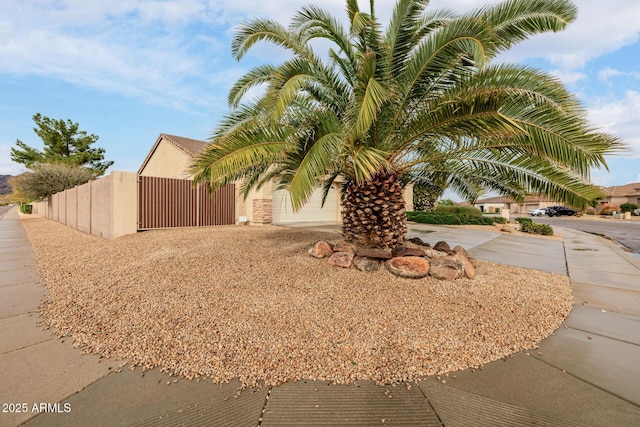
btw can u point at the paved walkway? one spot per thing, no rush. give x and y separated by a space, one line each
587 373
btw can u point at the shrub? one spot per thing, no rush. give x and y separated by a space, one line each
50 178
524 220
628 207
608 209
464 210
451 218
536 228
26 209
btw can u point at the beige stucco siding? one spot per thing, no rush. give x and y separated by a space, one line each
167 161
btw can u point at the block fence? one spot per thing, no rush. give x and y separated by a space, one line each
105 207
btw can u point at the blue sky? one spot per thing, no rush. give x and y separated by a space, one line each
128 70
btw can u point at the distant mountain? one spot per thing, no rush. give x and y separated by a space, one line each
5 188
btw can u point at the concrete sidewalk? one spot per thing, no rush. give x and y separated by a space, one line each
587 373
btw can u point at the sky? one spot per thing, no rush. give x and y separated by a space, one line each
129 70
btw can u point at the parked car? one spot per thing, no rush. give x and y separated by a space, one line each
560 211
537 212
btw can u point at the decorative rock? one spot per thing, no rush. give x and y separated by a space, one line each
432 253
341 259
366 264
446 268
506 229
467 268
410 267
345 246
405 251
321 249
459 250
374 253
442 246
418 241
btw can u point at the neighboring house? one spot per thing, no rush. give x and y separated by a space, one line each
171 157
496 204
621 194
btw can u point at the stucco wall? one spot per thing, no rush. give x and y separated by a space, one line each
167 161
84 207
106 207
125 203
71 207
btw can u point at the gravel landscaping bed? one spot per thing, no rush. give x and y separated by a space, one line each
249 303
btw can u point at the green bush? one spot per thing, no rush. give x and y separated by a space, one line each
535 228
524 220
451 218
628 207
463 210
26 209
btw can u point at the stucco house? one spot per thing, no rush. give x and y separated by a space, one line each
170 157
495 204
620 194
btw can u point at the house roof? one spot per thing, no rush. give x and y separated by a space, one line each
191 147
498 199
632 189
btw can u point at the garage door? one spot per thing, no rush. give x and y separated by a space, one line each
312 211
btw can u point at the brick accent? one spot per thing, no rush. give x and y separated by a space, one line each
262 211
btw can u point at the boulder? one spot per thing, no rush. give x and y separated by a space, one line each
366 264
418 241
374 253
321 249
345 246
432 253
401 251
459 250
442 246
341 259
446 268
467 268
410 267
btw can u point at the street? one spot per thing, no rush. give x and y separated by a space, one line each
626 233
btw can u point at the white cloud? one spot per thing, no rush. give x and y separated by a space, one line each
138 48
608 73
620 117
164 50
7 167
593 34
569 76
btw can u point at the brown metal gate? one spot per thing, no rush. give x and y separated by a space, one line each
168 202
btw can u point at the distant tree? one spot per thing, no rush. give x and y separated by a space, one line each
423 198
50 178
63 143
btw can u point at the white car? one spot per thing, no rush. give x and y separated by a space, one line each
537 212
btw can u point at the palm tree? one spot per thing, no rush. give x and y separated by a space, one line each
417 101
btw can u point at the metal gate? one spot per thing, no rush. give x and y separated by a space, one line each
168 202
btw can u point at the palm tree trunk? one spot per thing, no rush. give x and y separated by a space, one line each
373 213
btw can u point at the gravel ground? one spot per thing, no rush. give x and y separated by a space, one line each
249 303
